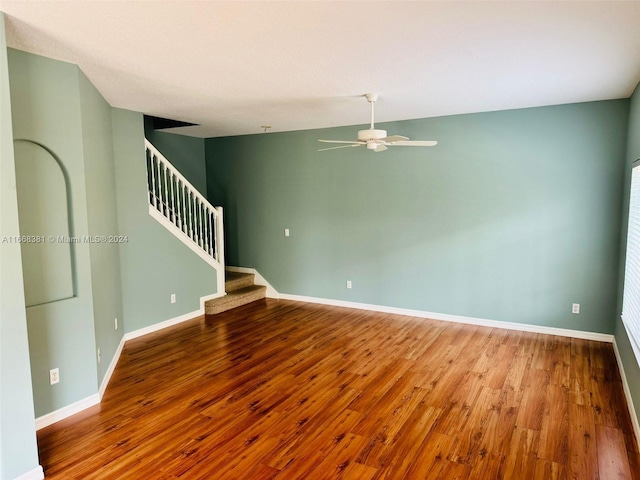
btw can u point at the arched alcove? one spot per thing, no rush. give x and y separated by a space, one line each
46 228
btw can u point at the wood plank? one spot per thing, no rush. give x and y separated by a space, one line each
532 407
547 470
634 464
431 459
358 471
381 428
406 445
613 461
583 459
554 435
521 458
319 444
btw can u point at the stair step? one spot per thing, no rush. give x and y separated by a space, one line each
235 298
237 280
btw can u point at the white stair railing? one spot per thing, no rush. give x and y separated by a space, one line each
176 203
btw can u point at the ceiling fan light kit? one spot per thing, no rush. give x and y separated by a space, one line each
375 139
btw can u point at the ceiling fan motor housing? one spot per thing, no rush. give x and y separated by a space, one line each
371 134
372 137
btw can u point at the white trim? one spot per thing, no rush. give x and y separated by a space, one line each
179 234
219 287
627 393
34 474
161 325
632 339
219 241
258 280
562 332
64 412
111 369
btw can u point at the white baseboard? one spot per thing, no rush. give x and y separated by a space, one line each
65 412
258 280
627 393
110 370
159 326
34 474
562 332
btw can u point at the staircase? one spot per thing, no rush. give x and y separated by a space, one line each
180 208
177 205
240 291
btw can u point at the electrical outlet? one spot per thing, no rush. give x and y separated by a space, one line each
173 298
286 232
99 355
115 321
575 308
348 283
54 376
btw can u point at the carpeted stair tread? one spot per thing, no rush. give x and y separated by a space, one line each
235 298
237 280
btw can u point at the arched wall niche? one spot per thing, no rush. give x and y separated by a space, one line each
46 224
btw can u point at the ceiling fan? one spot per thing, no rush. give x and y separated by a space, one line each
377 140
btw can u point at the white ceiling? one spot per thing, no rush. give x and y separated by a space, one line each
234 66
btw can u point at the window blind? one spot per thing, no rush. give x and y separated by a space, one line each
631 293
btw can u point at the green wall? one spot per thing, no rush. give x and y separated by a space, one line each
97 142
18 449
631 367
514 216
154 264
47 110
185 153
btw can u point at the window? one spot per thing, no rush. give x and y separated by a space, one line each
631 294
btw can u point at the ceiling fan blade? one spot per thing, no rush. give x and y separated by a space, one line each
415 143
380 148
340 141
394 138
341 146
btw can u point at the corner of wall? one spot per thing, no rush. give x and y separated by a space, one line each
18 448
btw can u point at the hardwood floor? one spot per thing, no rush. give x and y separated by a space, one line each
288 390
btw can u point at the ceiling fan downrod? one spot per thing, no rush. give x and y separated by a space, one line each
371 98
